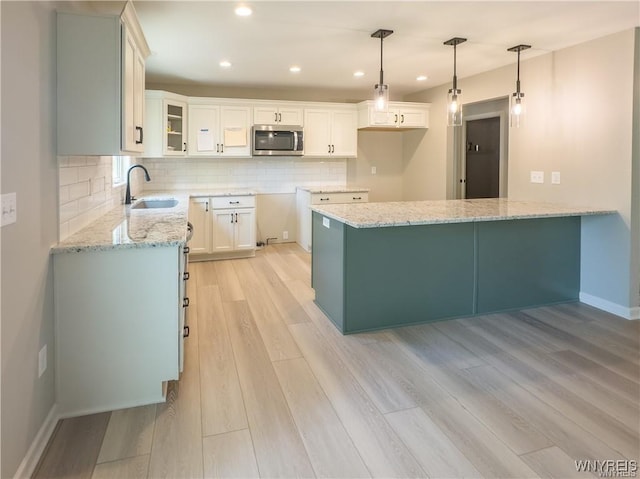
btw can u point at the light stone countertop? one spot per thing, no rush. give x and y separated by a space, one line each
333 189
124 227
408 213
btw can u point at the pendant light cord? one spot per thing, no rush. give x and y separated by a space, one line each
381 72
455 76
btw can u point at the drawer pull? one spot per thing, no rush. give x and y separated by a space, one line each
185 332
234 202
324 199
357 198
185 276
185 302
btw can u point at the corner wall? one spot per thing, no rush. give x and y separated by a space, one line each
576 124
29 168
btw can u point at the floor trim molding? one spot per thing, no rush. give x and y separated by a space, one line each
609 307
30 461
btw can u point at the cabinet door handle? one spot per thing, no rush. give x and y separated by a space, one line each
333 148
222 148
234 202
401 118
396 120
184 148
185 250
217 147
141 136
357 198
236 217
280 117
185 302
206 206
185 276
185 332
329 150
275 114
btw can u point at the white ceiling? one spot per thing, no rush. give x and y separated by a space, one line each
330 40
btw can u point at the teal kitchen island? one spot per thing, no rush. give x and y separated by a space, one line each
381 265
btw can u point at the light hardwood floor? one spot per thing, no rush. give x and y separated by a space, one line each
272 389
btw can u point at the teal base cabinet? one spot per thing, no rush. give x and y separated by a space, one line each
375 278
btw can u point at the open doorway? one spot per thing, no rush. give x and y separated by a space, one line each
481 153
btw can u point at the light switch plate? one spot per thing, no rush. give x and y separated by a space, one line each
537 177
373 170
555 177
9 209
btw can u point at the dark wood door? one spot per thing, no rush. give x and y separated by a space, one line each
483 158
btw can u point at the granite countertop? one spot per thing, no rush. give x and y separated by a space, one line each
407 213
333 189
205 193
123 227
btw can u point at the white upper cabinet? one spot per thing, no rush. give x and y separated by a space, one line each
166 124
330 132
100 84
277 114
400 115
219 129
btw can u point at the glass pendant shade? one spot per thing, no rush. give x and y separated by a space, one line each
381 97
517 110
454 107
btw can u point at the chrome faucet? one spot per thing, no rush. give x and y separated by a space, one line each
127 196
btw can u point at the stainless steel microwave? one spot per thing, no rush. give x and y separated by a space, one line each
277 140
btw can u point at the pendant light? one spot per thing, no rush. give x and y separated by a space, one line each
454 97
381 91
517 110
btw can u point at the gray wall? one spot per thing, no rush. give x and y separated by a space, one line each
28 168
580 121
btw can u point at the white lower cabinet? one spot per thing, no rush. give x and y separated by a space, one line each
119 326
224 227
306 198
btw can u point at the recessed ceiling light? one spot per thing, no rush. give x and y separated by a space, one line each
243 11
358 74
225 63
295 69
422 78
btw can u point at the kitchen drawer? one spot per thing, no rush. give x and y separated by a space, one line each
335 198
227 202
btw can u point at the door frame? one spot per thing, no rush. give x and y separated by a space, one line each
460 158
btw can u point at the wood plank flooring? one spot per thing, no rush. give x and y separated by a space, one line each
272 389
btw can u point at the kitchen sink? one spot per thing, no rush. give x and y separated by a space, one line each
146 204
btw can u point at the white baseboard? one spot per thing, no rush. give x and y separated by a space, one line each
28 465
609 307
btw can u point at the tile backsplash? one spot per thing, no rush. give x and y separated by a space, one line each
265 175
86 191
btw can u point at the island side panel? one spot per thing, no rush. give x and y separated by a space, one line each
408 274
524 263
327 267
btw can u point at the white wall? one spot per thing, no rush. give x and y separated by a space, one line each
579 122
29 168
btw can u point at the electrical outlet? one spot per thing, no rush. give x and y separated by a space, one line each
555 177
285 235
9 209
373 170
42 360
537 177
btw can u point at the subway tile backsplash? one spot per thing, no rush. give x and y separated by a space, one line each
269 175
85 191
